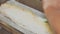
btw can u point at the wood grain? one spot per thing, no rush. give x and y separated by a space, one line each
37 4
8 28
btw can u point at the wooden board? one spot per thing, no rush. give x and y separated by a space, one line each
6 29
37 4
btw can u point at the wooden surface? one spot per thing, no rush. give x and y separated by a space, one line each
2 1
37 4
6 29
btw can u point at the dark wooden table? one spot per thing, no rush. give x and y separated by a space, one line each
6 29
37 4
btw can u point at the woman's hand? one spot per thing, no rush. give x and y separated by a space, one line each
52 11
